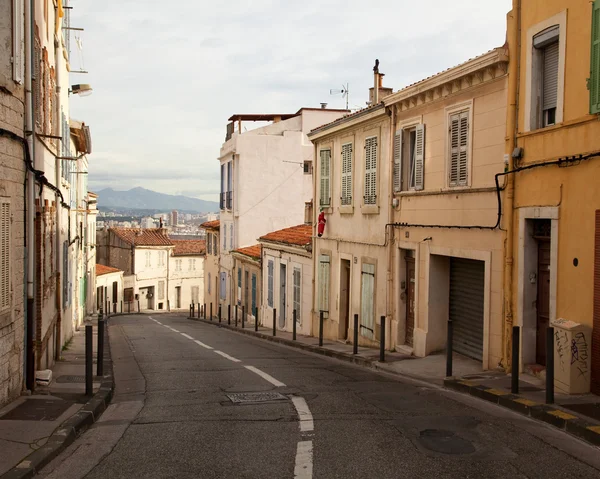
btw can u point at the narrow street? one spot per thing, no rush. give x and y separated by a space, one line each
173 416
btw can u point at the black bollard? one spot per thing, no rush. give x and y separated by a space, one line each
204 311
89 360
514 384
382 341
128 306
550 365
321 317
219 314
139 310
243 316
121 306
190 311
294 325
236 315
449 349
274 322
211 315
100 352
355 345
199 308
100 313
229 314
193 310
256 319
115 308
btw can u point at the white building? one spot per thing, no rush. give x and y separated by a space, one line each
147 223
186 273
109 289
266 179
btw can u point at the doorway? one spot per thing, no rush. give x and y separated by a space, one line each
410 297
282 295
178 297
344 298
246 292
542 303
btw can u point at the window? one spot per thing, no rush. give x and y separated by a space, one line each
177 265
409 158
324 269
547 52
215 245
224 237
18 42
161 289
222 196
367 317
161 258
231 236
209 243
594 83
307 167
5 248
325 178
223 285
297 300
147 253
209 282
253 293
459 148
128 295
239 284
371 171
270 283
229 198
347 174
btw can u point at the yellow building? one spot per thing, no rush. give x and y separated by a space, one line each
554 190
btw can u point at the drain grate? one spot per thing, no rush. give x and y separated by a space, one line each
70 378
241 398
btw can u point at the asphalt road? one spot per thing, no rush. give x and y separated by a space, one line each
173 417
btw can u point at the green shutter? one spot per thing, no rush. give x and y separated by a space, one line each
595 61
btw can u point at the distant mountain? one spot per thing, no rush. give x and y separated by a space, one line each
143 199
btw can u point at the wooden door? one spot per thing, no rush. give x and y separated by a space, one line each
410 299
543 298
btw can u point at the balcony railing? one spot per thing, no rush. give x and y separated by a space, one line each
229 199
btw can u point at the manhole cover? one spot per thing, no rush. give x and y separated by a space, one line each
255 397
70 379
38 410
445 442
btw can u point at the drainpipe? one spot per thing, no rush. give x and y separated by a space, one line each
30 202
391 111
513 33
315 252
57 170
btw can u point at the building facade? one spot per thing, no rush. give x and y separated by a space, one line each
186 273
211 266
247 267
109 286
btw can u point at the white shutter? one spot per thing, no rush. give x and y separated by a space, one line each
297 301
367 307
550 76
270 283
325 177
419 157
371 171
324 283
347 174
398 161
18 57
4 256
459 144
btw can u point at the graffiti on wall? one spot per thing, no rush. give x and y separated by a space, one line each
580 354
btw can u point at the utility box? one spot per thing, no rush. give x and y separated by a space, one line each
572 356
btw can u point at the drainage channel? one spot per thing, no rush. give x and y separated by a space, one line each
249 398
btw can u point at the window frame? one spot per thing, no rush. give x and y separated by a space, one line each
270 282
297 293
594 80
322 178
451 111
348 174
373 198
324 289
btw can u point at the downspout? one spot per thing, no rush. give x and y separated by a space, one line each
391 111
314 249
30 201
513 33
58 175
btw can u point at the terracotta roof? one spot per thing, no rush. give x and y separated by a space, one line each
262 116
101 269
189 247
143 237
360 112
254 251
211 225
296 235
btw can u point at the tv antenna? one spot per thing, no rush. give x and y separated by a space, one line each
344 92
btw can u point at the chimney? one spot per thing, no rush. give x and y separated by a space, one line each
308 213
378 92
323 106
160 222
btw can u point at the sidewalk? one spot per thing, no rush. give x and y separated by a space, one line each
36 428
577 415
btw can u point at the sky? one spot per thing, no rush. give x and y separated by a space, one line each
167 75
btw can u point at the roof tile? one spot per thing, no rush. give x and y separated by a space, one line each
254 251
102 269
211 225
189 247
296 235
143 237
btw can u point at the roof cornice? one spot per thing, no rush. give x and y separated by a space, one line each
360 116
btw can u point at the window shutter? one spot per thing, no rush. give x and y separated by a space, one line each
253 293
398 161
5 256
550 76
347 174
420 157
368 292
459 143
270 283
324 283
209 243
325 177
371 171
18 41
297 279
595 62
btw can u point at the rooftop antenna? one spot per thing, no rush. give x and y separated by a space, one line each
344 92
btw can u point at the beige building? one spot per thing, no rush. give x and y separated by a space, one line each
211 267
186 274
447 248
247 267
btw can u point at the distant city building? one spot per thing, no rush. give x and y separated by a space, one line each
148 222
174 218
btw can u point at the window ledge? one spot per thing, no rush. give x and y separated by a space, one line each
346 210
327 209
369 209
447 191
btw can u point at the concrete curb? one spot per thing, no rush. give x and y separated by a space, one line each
72 428
550 414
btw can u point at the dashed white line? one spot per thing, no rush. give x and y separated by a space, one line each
227 356
187 336
306 419
174 330
304 460
266 376
200 343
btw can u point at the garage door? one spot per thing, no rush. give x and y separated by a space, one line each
467 281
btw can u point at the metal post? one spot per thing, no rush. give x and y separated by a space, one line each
382 340
229 314
355 345
321 316
139 310
204 310
193 310
256 319
100 313
274 322
243 316
121 306
449 349
514 386
190 311
128 306
100 352
294 325
199 308
115 307
211 315
236 315
89 360
550 365
219 314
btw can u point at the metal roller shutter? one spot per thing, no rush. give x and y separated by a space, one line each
596 324
467 281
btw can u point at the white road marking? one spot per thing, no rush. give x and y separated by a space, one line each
187 336
264 375
306 419
227 356
174 330
200 343
158 322
304 460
